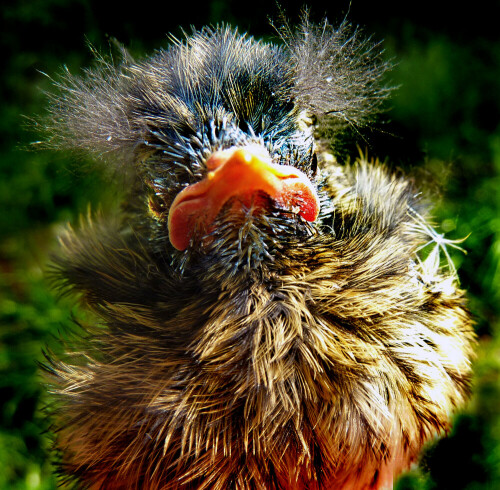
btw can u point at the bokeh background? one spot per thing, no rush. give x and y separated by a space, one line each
443 125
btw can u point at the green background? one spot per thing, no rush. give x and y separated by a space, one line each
443 126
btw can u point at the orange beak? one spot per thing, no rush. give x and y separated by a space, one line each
240 172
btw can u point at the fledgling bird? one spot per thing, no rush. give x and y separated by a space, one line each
266 317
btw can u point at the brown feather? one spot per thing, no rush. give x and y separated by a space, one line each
273 353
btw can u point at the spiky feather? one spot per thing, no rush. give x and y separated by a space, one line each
272 353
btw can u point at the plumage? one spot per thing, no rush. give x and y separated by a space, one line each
268 350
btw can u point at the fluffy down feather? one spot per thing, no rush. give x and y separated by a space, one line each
272 352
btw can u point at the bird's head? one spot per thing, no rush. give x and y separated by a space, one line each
225 132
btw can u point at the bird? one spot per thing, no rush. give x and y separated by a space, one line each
263 315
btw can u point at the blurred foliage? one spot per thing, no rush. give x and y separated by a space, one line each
444 127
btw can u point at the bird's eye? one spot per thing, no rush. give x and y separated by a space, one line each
314 165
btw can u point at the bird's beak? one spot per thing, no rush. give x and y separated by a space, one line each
240 172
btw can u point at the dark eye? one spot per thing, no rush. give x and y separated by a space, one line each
314 165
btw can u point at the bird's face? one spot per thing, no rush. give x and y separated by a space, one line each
235 174
245 181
